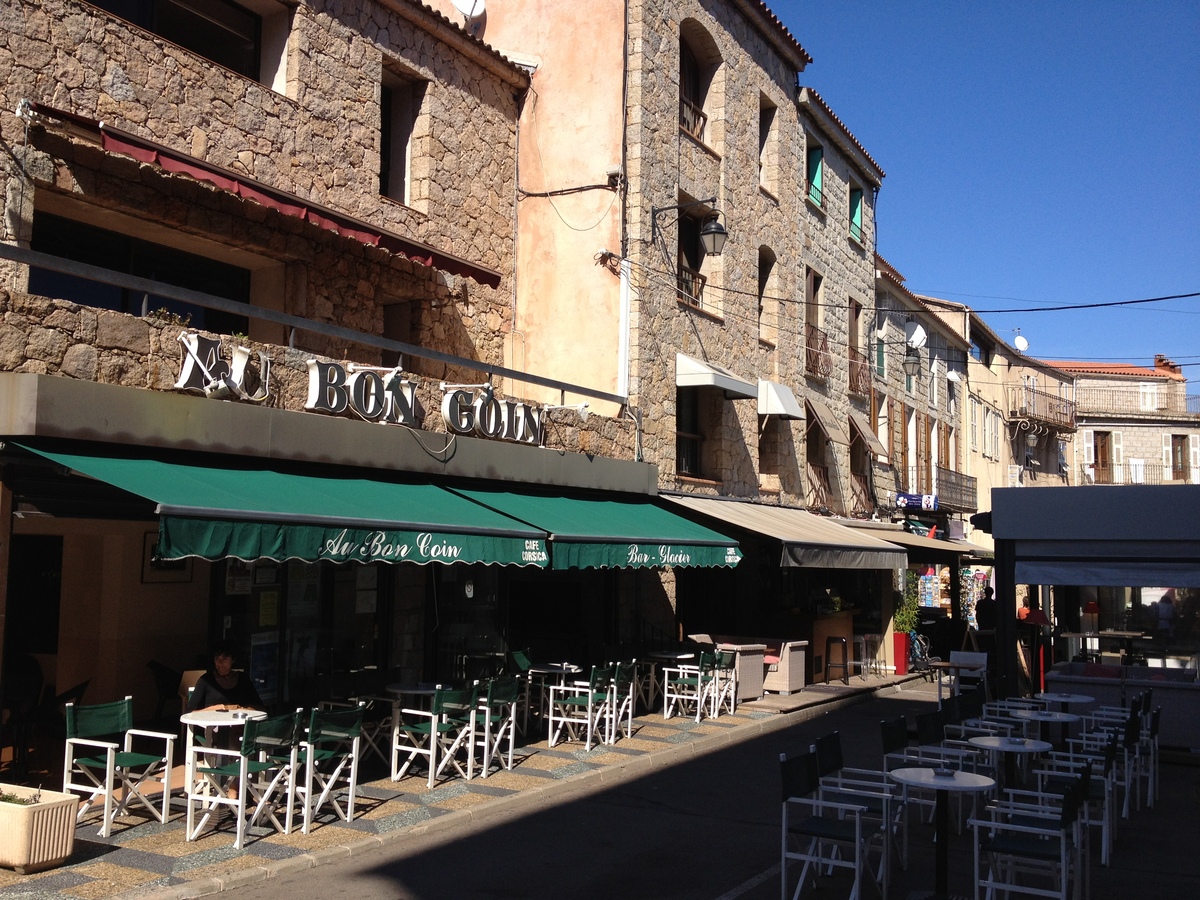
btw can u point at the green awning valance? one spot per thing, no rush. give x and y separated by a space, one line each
604 533
255 513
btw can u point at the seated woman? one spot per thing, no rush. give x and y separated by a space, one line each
223 688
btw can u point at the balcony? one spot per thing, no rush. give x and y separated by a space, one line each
818 495
691 286
692 119
814 194
817 360
1126 400
860 373
918 480
1138 471
1029 404
956 491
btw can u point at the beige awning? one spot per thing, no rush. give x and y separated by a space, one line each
859 421
808 541
918 547
775 399
831 425
694 373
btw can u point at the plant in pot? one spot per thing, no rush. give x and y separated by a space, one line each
904 622
37 827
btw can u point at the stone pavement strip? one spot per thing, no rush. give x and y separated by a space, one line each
144 859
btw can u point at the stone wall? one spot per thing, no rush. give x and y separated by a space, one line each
667 166
57 337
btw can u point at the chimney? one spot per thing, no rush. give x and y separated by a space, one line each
1166 366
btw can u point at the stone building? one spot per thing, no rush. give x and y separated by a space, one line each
1136 425
259 295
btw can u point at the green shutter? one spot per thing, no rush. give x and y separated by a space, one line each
815 167
856 196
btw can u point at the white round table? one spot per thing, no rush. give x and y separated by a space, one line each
1010 747
1045 718
556 673
212 720
1064 699
943 785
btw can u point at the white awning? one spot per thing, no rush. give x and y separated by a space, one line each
775 399
864 428
808 541
694 373
831 425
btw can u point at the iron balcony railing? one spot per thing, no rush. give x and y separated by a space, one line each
691 286
1136 400
817 360
917 480
956 491
817 496
1033 405
1136 471
692 118
860 373
862 502
815 195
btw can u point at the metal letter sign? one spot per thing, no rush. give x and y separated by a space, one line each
927 502
203 371
377 395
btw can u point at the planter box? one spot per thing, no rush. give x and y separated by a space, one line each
40 836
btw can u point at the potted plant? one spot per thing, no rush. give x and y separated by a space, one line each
904 622
37 827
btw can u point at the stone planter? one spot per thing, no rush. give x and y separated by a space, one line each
38 836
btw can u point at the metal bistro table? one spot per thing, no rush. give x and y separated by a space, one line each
1044 718
954 669
1010 748
942 782
211 720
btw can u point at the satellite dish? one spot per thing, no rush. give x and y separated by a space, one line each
1021 344
471 9
914 335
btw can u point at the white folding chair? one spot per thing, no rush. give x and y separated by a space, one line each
581 707
109 767
498 712
329 755
438 734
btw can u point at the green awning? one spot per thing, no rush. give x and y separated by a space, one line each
605 533
254 513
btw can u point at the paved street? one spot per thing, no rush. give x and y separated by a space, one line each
709 827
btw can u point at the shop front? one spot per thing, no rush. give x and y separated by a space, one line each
333 554
804 577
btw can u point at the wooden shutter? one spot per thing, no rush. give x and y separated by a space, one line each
1117 455
1194 457
1168 462
1089 447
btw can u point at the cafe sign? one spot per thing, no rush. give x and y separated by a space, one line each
373 393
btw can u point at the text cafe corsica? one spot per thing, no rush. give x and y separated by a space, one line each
375 394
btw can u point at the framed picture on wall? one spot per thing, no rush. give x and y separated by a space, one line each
158 571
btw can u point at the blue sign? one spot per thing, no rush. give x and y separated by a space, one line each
917 501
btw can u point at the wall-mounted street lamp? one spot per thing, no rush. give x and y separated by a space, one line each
712 232
912 363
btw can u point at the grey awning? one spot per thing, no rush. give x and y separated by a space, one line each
775 399
860 423
829 422
694 373
808 541
921 549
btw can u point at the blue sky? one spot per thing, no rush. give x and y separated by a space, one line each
1037 154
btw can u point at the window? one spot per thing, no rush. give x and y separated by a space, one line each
880 357
934 381
70 239
974 425
818 360
856 215
248 38
814 171
688 439
768 306
768 145
1176 457
400 102
812 296
981 352
693 86
691 257
1147 397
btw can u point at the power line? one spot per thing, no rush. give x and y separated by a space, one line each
1102 305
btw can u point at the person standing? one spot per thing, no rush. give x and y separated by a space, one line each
1166 617
985 610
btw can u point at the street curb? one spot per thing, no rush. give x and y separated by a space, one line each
550 794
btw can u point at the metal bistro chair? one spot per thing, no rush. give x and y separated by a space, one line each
687 687
625 696
724 686
109 765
